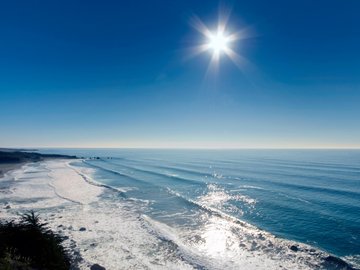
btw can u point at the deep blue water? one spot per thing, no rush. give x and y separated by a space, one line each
310 196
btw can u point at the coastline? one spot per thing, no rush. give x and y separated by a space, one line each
110 232
51 188
97 232
13 159
8 167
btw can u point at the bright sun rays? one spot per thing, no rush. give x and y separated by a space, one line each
220 41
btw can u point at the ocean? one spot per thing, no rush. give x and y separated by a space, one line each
223 209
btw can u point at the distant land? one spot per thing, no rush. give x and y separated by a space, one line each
11 159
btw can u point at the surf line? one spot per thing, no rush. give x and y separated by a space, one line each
56 192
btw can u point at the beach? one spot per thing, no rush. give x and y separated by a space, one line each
96 231
12 159
107 225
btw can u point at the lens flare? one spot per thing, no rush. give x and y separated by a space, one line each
220 41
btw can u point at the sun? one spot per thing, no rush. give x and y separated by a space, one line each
218 42
221 41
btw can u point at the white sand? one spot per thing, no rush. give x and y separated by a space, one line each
70 184
47 184
115 236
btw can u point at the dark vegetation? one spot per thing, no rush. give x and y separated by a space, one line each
28 244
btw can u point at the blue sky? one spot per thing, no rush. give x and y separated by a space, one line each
117 74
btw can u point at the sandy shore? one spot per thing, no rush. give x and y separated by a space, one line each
103 226
50 188
13 159
51 183
106 232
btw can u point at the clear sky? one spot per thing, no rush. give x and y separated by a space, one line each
117 74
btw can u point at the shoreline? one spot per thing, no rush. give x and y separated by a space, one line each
13 159
95 225
52 189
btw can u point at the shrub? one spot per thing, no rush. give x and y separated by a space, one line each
30 244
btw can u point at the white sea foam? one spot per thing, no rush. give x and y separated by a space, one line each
220 245
31 189
118 236
115 235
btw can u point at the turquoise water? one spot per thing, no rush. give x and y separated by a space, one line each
309 196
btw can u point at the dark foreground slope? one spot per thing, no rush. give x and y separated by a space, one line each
28 244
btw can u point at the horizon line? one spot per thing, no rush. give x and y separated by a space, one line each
183 148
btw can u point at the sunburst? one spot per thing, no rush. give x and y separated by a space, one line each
220 41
